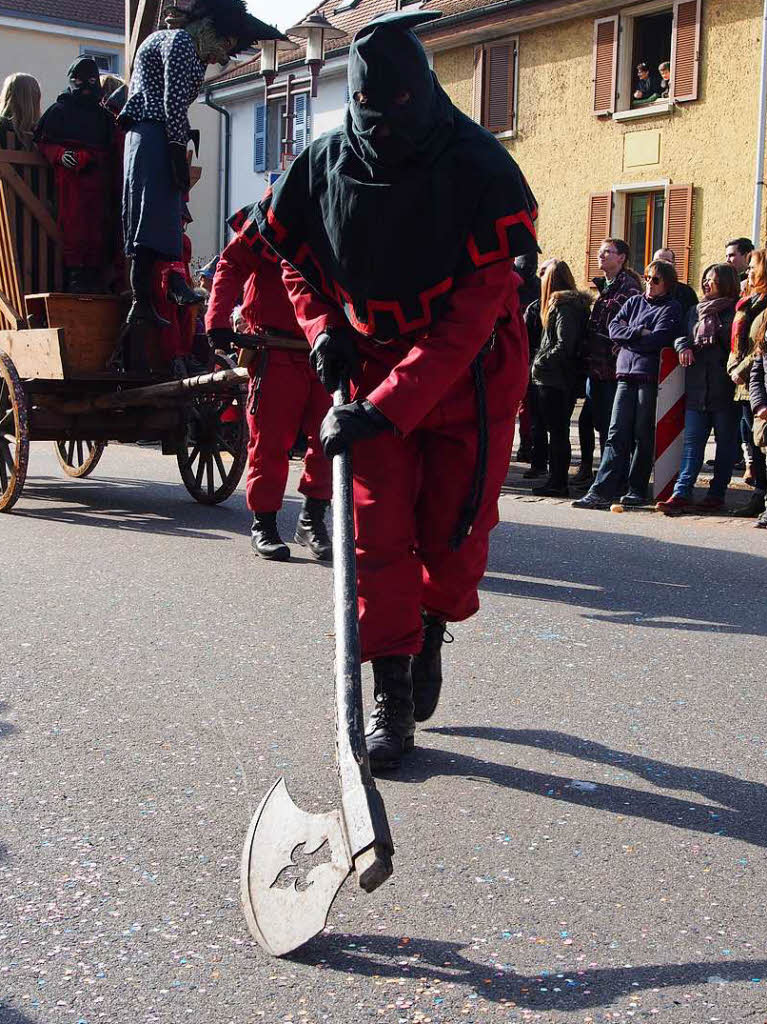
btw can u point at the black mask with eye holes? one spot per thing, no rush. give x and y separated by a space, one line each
393 98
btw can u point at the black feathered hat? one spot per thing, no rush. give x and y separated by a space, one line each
230 18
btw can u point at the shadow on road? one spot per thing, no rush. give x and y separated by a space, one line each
381 956
745 817
10 1015
629 580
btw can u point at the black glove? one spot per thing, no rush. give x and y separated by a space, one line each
333 356
344 425
179 167
223 338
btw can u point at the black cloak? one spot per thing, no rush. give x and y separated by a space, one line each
386 213
77 115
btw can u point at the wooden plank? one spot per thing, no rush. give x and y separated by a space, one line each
25 256
9 312
9 277
22 156
30 199
35 353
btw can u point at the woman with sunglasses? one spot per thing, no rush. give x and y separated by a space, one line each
644 325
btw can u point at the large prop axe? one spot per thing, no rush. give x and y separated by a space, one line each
282 912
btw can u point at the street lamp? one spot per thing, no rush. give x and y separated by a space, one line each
270 60
315 29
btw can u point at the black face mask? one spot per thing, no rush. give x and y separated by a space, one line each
85 82
392 93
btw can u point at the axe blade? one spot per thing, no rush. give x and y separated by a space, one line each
280 915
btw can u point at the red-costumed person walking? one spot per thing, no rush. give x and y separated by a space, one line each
285 395
399 232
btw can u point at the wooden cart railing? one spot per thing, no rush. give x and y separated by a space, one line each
30 241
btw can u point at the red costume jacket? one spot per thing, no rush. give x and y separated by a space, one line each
87 205
418 371
254 272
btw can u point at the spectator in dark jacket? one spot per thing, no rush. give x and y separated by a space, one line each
758 393
704 351
565 313
646 324
617 285
526 266
686 296
647 87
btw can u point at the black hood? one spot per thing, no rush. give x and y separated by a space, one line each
397 111
77 115
385 227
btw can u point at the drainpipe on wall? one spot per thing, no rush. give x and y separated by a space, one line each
759 177
227 160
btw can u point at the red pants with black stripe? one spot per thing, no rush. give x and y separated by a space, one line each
409 494
290 399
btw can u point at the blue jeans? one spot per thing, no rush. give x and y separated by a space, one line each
630 441
602 396
697 427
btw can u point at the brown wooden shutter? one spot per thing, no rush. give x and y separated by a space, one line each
600 215
677 228
605 64
685 50
499 87
478 98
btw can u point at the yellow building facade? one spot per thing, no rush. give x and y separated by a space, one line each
635 162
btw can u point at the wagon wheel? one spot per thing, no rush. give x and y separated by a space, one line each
79 458
215 450
14 435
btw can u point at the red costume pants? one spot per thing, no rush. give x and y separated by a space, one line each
409 494
290 398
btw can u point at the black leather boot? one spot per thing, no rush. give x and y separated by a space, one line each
391 727
265 538
180 293
311 531
427 667
142 309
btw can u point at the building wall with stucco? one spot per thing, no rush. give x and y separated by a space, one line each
568 153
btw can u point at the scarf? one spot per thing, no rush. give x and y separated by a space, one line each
709 321
384 214
747 310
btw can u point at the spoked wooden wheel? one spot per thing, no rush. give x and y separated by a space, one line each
14 435
79 458
215 450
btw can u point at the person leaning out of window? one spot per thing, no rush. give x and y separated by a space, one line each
646 323
758 395
704 351
555 371
748 326
664 70
646 88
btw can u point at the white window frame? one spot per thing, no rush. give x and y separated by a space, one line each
114 57
618 217
625 76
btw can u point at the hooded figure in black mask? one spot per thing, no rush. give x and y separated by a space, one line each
398 233
76 135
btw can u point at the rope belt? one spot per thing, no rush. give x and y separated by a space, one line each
474 501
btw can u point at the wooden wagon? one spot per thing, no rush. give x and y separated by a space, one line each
55 349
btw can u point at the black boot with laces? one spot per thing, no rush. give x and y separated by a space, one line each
427 667
311 531
265 538
391 728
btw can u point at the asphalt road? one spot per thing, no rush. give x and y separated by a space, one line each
580 835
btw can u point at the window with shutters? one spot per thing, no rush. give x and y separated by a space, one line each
496 78
646 58
658 216
260 137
